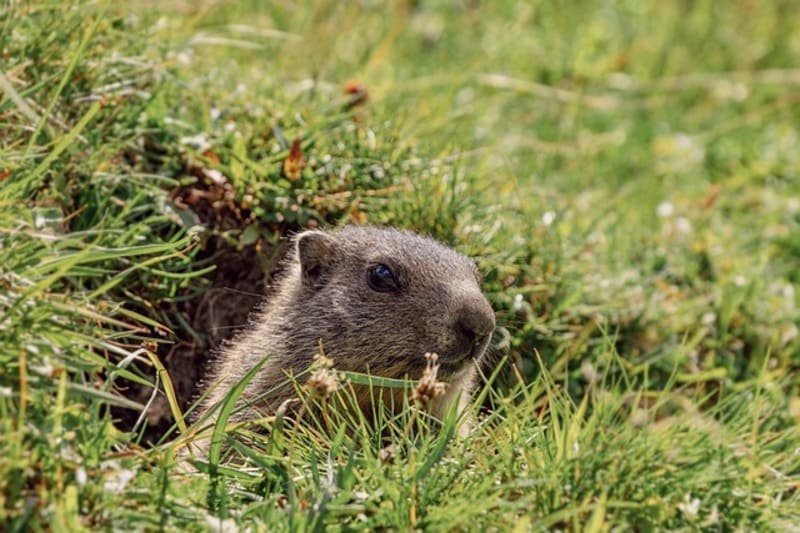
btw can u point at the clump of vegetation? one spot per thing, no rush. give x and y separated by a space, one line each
626 175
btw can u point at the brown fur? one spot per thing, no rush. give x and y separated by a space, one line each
323 297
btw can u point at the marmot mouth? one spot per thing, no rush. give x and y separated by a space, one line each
449 366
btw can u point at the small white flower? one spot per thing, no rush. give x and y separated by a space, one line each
119 480
44 369
199 142
665 209
713 516
689 506
214 175
590 374
683 225
789 334
517 305
32 348
217 525
548 218
740 281
80 476
708 319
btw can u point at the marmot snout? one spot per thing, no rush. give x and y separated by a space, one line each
376 300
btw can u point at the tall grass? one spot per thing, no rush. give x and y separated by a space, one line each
626 175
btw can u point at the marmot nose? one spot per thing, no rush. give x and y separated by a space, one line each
475 321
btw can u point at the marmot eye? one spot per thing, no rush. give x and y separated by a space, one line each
381 278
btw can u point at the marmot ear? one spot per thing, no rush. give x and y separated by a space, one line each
315 251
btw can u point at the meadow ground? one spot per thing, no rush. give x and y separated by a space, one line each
626 173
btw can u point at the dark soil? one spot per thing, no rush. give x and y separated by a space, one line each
213 309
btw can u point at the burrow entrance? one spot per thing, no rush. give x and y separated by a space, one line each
212 310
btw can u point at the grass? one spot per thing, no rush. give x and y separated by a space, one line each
626 174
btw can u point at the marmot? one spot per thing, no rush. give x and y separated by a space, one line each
376 300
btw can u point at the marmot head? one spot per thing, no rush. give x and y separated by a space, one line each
380 298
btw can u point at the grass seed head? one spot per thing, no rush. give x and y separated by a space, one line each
387 454
429 387
324 379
